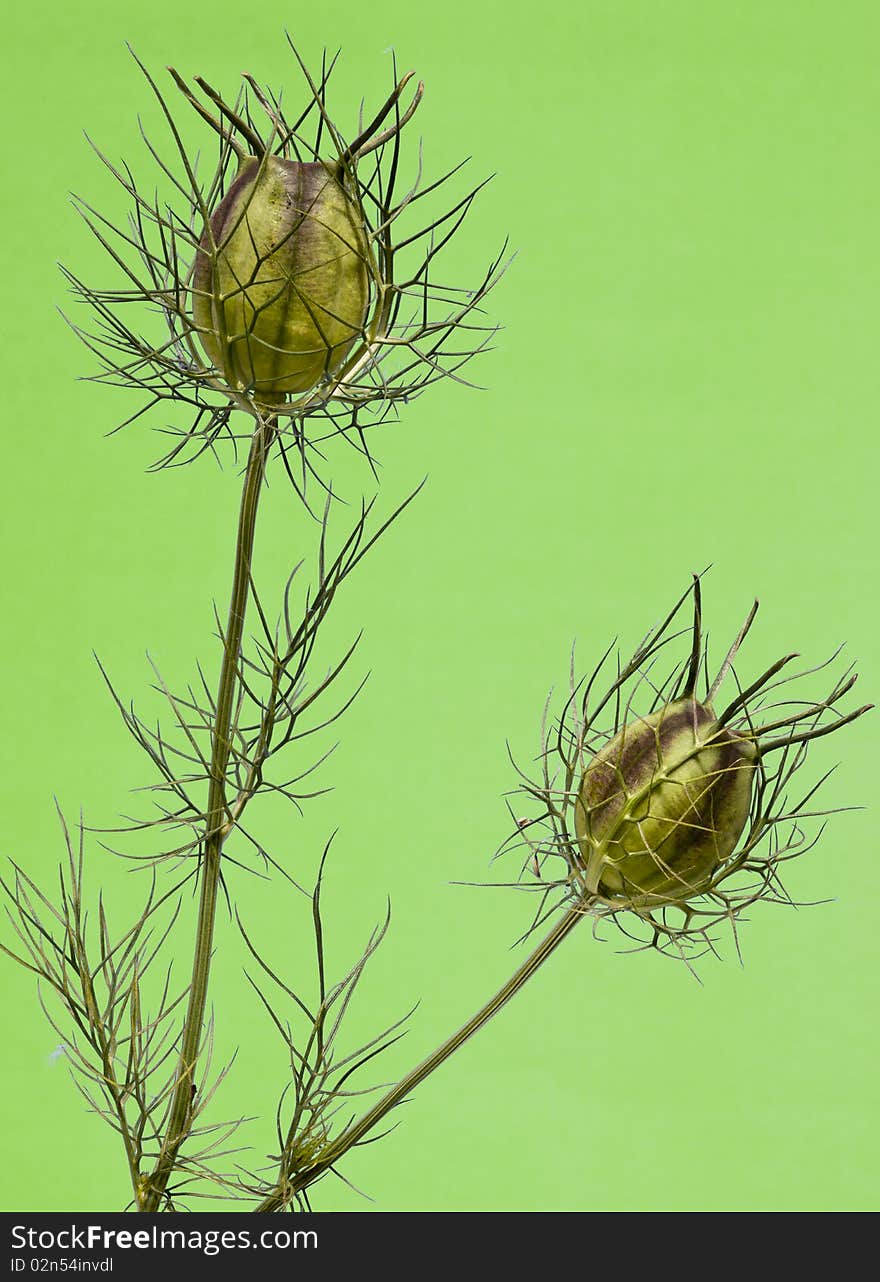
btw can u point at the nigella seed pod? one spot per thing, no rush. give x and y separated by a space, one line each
281 285
677 816
298 282
662 806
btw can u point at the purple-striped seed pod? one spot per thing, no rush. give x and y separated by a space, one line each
281 286
663 805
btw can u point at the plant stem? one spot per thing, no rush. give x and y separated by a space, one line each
184 1089
287 1190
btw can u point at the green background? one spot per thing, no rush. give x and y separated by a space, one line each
687 374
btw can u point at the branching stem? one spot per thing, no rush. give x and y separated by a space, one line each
215 834
287 1190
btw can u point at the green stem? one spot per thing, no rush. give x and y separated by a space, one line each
184 1089
287 1189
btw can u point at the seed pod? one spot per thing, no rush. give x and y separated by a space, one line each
675 822
662 806
282 282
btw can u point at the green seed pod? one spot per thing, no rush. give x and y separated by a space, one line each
662 806
676 818
282 282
